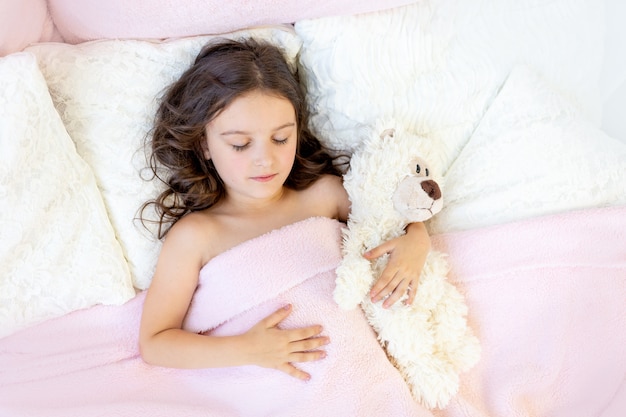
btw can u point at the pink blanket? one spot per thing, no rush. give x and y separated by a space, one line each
547 298
86 364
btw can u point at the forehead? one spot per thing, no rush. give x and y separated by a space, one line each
255 111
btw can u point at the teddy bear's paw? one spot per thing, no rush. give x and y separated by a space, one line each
345 299
353 282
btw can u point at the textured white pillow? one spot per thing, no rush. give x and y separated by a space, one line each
58 251
106 93
436 65
532 154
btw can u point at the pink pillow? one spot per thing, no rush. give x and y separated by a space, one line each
79 21
23 22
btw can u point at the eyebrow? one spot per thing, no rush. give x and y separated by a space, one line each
241 132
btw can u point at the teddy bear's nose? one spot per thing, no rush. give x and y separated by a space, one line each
431 188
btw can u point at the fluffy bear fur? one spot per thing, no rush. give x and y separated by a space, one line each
429 342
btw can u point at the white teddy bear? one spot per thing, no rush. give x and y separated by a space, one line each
390 184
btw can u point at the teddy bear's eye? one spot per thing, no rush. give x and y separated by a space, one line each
418 170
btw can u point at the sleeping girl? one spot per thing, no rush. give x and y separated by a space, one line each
251 220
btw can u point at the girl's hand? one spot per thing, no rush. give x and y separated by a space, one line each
279 348
407 255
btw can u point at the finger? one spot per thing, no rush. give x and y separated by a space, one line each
385 284
315 355
308 344
294 372
277 316
304 333
396 294
411 291
379 250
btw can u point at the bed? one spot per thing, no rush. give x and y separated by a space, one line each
524 101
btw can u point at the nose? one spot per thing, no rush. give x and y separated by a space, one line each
263 155
431 188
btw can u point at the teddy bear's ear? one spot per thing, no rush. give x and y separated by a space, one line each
387 133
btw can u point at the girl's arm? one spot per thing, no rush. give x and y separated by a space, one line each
407 255
163 342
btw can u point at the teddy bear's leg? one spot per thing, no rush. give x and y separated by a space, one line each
454 337
408 337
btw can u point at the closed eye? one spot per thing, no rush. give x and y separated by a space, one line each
240 148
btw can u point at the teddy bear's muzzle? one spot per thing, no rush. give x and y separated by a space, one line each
431 188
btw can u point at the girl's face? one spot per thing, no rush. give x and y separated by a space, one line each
252 143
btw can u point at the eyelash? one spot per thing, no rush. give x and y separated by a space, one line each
240 148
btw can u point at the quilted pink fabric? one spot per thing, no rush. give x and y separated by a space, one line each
23 22
94 19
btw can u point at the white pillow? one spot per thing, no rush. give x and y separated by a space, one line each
436 65
106 93
532 154
58 251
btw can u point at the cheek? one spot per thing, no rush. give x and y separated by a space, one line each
289 154
224 163
233 165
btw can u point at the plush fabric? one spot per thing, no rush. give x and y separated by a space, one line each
532 154
436 66
107 93
87 364
58 251
391 184
546 297
92 19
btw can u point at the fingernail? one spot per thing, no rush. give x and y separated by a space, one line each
287 307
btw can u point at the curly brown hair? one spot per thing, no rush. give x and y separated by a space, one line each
223 71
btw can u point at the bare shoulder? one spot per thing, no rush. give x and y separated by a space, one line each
191 236
328 183
329 194
190 226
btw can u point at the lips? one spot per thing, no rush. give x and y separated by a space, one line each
264 178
